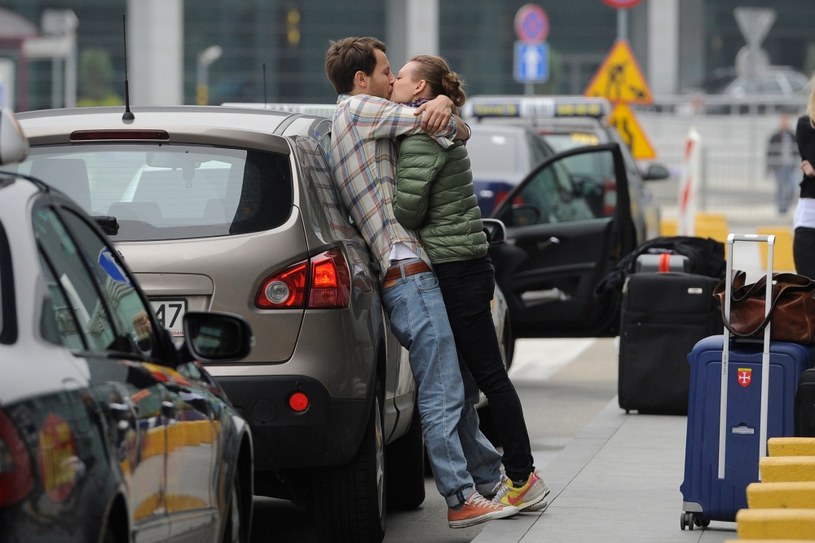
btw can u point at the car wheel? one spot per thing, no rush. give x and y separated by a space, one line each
349 500
405 468
232 526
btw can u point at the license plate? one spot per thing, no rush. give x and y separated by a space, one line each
170 314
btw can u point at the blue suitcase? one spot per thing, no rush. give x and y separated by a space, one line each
733 410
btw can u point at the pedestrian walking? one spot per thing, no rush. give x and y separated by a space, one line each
435 196
363 156
803 222
783 163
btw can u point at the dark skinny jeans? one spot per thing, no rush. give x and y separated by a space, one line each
467 287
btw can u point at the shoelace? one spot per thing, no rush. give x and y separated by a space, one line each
481 501
504 488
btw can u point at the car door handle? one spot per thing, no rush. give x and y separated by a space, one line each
551 241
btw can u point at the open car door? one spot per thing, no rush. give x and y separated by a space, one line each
564 232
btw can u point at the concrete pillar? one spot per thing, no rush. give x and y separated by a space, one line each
155 51
663 47
412 28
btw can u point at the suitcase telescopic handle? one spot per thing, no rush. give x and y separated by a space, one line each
765 355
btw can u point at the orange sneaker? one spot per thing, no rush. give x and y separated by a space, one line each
478 509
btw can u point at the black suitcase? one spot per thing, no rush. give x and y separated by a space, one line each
663 316
805 405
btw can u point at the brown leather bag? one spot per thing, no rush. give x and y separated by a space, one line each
792 309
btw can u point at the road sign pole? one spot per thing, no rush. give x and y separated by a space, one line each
622 24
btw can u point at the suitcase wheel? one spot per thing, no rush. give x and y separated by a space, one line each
689 520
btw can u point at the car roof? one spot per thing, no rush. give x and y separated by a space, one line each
189 123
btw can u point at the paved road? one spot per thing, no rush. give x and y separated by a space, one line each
563 384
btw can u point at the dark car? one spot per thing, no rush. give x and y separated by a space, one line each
109 432
501 155
567 122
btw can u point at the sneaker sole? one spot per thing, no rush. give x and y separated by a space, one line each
540 504
466 523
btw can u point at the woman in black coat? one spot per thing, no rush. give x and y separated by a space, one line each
803 246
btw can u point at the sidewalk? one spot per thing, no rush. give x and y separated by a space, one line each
616 482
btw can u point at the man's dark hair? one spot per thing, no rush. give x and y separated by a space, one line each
347 56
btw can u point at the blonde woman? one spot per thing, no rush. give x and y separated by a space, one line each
803 222
435 196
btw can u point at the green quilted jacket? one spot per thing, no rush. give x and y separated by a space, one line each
435 196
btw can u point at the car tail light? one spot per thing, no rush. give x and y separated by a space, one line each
330 280
16 479
323 281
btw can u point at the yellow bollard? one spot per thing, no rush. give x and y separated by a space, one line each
782 253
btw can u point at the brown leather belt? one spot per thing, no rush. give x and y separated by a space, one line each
398 271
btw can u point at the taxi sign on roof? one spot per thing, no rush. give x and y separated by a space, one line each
538 107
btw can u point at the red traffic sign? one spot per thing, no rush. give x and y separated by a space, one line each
621 3
531 24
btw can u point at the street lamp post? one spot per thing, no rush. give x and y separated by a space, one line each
205 58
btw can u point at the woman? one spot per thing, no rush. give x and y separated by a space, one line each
803 222
435 196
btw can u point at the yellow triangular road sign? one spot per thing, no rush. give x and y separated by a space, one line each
619 78
631 132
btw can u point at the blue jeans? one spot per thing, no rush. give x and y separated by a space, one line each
461 457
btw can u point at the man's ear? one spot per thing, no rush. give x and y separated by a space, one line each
360 79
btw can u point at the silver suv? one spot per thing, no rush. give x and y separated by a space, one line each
234 210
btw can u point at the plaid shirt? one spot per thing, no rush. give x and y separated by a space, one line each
363 156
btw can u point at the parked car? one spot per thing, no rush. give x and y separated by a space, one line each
108 431
500 156
566 122
227 209
774 88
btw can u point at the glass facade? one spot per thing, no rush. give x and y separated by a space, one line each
274 49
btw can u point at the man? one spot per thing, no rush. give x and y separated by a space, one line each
363 155
783 162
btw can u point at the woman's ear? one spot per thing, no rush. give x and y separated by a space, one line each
420 87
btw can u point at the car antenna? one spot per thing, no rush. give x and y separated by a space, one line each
127 115
265 98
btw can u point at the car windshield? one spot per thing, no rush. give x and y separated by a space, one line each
161 192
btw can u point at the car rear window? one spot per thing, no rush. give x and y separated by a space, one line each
164 192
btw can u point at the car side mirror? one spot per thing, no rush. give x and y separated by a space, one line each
495 230
656 172
212 337
13 143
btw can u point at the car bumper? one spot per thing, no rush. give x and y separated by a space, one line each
326 433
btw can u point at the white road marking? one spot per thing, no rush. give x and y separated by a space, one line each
539 359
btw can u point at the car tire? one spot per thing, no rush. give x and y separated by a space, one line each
349 500
233 529
405 469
